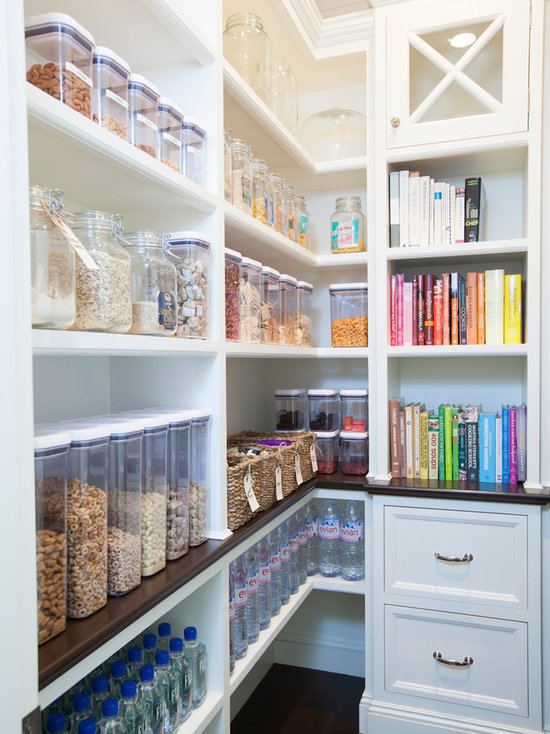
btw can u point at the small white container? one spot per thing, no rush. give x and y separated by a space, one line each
144 99
324 410
348 313
170 137
194 150
355 415
110 93
290 409
327 451
199 480
354 452
190 253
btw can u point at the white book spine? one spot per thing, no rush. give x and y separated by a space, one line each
394 209
416 428
432 207
404 208
414 209
459 227
452 209
424 211
438 214
498 450
446 216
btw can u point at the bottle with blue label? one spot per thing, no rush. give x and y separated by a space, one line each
197 652
347 225
312 524
81 710
352 534
150 700
237 570
128 708
330 563
263 554
284 544
111 722
275 563
252 602
170 683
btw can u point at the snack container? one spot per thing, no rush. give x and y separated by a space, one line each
143 98
324 410
348 312
251 302
170 120
199 480
354 452
290 409
110 93
270 305
287 310
327 451
233 262
355 407
304 311
194 150
190 253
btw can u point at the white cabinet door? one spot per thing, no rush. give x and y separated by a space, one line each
456 70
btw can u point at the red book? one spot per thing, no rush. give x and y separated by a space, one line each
446 308
400 281
415 311
421 309
393 310
438 311
429 317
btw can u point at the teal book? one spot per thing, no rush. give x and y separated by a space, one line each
487 447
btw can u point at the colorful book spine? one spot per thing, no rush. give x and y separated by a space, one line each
481 308
393 310
512 309
448 443
409 441
424 448
455 419
513 447
459 215
402 444
505 444
461 451
452 215
454 308
429 318
400 283
438 214
494 306
498 449
471 414
472 308
414 338
522 442
394 438
487 447
441 463
446 308
474 199
407 314
404 208
462 310
394 209
438 311
433 447
421 310
417 408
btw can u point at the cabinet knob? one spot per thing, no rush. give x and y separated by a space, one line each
395 122
466 558
438 657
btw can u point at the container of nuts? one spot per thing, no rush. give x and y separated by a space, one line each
51 447
170 120
143 98
199 477
349 315
59 55
233 262
190 252
110 93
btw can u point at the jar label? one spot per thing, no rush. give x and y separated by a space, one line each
303 223
253 583
279 483
329 529
345 235
241 596
298 469
265 574
275 561
114 97
145 121
352 532
79 73
249 491
167 310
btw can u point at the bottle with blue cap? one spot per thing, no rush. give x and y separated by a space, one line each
170 683
55 723
87 726
149 648
135 661
111 723
197 652
55 707
180 661
118 674
99 694
81 710
150 700
128 708
164 634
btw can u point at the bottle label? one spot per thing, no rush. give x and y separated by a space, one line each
285 553
167 310
253 583
329 529
345 235
294 544
352 531
231 608
302 537
276 561
186 680
157 714
312 528
303 223
265 573
241 596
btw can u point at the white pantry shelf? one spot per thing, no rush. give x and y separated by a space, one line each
344 260
321 583
463 350
70 152
201 717
496 250
343 352
242 349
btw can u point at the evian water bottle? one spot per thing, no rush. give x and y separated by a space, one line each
329 539
312 523
264 594
293 575
352 533
231 625
275 552
302 546
284 543
240 628
252 605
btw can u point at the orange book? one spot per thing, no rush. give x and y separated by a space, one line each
446 308
481 308
438 311
472 308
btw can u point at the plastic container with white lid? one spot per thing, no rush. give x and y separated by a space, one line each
349 314
287 309
190 253
194 150
110 93
199 482
327 451
51 448
290 409
170 120
232 261
324 410
59 55
251 301
304 312
86 517
354 410
270 305
354 452
143 97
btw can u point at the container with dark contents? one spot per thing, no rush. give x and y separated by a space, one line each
170 120
324 410
143 99
110 93
290 409
233 261
354 448
327 451
354 410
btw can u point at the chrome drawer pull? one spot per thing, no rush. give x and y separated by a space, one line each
467 557
453 663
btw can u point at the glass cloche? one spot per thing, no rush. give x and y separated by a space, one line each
334 134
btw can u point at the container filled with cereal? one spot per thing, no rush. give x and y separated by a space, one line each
354 452
348 312
59 55
290 409
327 451
194 150
143 98
199 479
251 301
304 313
233 262
270 305
260 183
354 410
110 93
190 253
287 310
51 447
170 120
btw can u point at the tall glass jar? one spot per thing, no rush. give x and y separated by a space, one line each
103 301
227 165
52 263
289 222
278 208
233 261
241 176
246 47
347 226
260 172
304 307
270 306
302 222
284 101
250 300
287 310
154 301
170 120
190 252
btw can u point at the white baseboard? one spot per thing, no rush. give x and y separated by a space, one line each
320 653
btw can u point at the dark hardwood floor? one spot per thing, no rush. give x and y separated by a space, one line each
293 700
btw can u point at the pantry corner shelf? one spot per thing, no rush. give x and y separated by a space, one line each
487 250
344 260
460 350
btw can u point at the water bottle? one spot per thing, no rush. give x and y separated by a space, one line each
135 658
197 652
111 723
149 648
264 592
55 723
55 707
275 562
81 710
293 573
118 674
302 546
252 602
329 539
182 663
170 683
68 696
312 522
284 544
128 708
99 694
164 634
88 726
150 701
352 532
231 625
240 628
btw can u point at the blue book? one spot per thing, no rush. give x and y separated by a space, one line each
506 444
487 447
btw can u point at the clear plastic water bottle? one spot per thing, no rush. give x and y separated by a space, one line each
118 674
240 628
352 533
164 633
263 553
312 523
88 726
150 700
170 683
81 710
293 573
284 544
99 694
329 539
302 546
275 562
135 661
68 696
149 648
55 723
111 723
252 602
197 652
128 708
55 707
231 625
182 663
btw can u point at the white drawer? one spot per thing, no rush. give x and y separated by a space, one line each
496 575
495 681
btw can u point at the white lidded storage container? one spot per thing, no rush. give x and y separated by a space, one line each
251 300
170 120
199 479
304 312
354 446
290 409
143 98
354 410
194 150
110 93
270 305
348 313
287 310
190 253
327 451
324 410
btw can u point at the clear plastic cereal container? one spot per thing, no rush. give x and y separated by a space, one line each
170 120
304 311
110 93
290 409
354 452
51 447
59 55
144 99
348 312
251 301
233 262
277 202
355 407
324 410
260 173
287 309
270 305
327 451
190 252
194 150
199 481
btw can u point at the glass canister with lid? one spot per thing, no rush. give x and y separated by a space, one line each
233 260
194 150
335 134
277 202
354 452
349 315
144 99
59 55
302 222
324 409
103 300
170 120
304 312
347 226
110 93
290 409
227 165
199 479
327 451
260 173
190 252
287 309
270 305
241 176
284 98
289 223
354 410
52 262
251 300
154 302
51 446
246 47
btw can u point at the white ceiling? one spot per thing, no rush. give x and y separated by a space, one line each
332 8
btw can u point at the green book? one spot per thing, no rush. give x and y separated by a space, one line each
441 443
448 443
456 414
